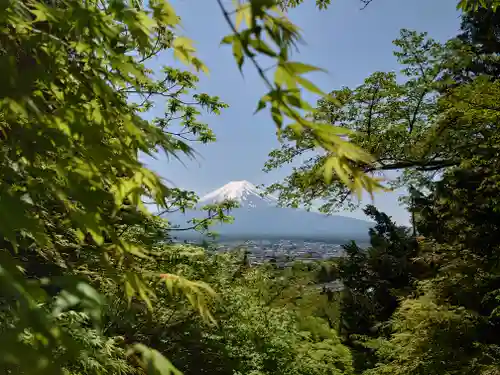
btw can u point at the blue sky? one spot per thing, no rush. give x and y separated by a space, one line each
349 43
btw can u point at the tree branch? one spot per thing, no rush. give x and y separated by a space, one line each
370 110
425 165
365 3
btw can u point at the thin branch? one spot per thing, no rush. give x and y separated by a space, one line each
153 51
365 3
370 110
180 135
421 98
261 72
193 227
270 67
252 58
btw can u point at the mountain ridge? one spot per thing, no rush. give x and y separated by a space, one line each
259 216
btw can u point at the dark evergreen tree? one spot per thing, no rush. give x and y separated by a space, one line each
452 325
482 28
374 279
475 53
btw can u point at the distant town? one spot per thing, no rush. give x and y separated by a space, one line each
283 252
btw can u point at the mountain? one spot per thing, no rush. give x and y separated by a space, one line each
259 217
245 193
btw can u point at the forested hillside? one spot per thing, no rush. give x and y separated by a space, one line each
90 282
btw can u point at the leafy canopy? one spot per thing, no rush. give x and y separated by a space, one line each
75 88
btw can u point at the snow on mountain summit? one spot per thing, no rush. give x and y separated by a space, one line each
244 192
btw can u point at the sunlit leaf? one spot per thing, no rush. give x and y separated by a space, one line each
300 68
152 361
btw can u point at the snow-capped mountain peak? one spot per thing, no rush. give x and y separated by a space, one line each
244 192
260 217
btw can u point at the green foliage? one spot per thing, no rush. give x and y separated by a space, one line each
75 87
101 354
321 4
267 321
453 325
71 100
474 5
450 325
91 284
479 30
270 315
437 126
394 120
375 279
266 22
417 126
